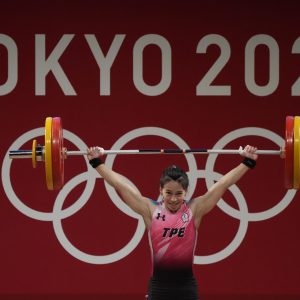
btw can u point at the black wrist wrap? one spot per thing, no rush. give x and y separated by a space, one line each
95 162
249 162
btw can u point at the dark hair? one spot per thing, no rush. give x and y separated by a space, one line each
174 173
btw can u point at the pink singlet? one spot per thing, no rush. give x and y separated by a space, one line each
172 237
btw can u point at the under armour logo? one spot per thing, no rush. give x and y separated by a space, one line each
163 217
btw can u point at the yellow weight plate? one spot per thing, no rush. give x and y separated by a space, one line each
296 152
33 155
48 153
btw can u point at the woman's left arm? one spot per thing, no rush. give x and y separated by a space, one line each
204 204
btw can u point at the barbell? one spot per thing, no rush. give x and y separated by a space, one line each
53 153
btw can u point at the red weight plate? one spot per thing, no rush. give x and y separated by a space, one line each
57 154
289 152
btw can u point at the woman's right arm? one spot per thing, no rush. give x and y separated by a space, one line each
131 196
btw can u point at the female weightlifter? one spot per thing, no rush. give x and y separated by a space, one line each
172 222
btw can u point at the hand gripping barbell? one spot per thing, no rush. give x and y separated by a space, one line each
53 153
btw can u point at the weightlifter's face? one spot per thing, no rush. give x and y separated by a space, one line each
173 195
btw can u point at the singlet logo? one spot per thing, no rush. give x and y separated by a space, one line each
163 217
185 217
169 232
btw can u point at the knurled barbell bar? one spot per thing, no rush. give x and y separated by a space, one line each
53 153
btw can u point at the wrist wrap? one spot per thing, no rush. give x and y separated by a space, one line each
249 162
95 162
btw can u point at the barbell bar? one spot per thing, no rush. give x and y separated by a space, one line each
53 153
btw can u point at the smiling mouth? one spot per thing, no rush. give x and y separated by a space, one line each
174 206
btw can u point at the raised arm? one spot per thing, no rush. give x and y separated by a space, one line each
131 196
204 204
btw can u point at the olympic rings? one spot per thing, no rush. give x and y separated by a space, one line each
71 249
208 174
260 216
141 132
24 209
